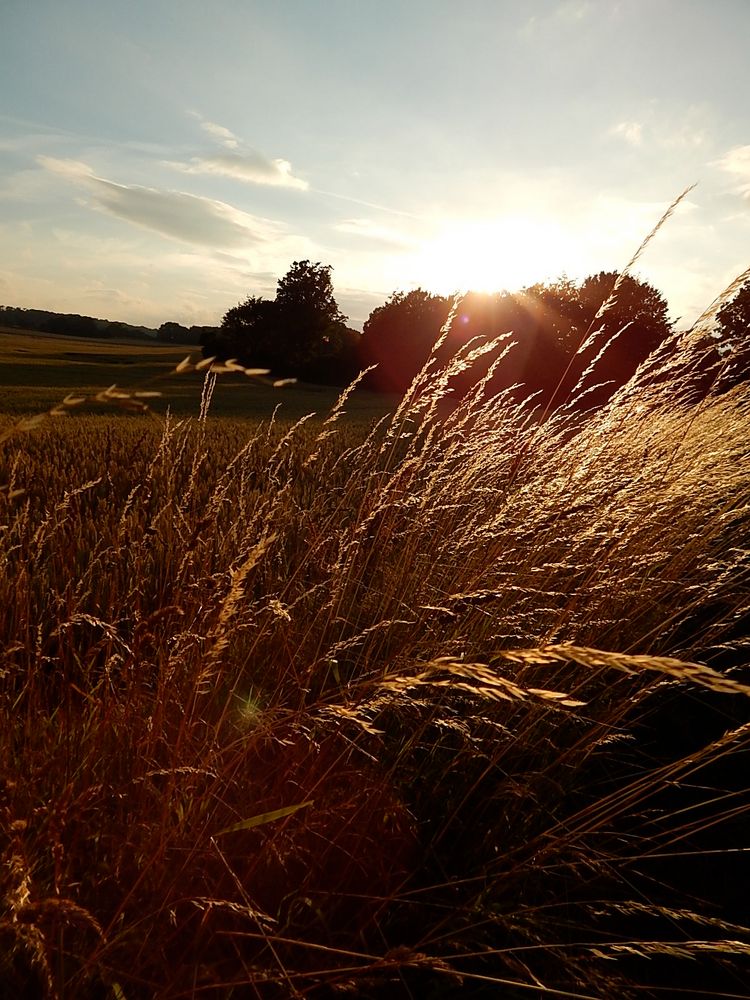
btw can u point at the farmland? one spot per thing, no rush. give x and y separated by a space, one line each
38 369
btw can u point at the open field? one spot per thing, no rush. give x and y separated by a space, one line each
37 370
456 706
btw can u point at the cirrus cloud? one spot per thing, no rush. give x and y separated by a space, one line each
373 232
242 163
631 132
736 162
251 166
225 137
687 128
176 214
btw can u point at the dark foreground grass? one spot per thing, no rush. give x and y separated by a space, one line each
457 705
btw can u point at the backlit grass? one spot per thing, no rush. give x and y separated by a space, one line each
451 704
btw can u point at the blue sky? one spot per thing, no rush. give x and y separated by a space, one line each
162 159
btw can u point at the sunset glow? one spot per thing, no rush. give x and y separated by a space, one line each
165 165
374 522
490 256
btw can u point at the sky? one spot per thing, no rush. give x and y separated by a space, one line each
161 160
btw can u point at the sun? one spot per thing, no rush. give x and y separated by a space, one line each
488 256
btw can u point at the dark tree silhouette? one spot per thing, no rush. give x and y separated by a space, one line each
534 364
301 332
249 332
633 324
548 323
734 316
307 290
557 308
70 324
336 361
308 319
733 338
176 333
634 302
398 337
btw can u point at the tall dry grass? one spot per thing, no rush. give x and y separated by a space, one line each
456 705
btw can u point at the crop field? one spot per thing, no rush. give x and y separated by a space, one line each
446 702
37 370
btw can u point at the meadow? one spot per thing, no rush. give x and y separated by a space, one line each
451 701
38 369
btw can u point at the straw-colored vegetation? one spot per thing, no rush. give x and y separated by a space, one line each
455 705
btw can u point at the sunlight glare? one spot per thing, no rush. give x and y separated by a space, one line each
502 254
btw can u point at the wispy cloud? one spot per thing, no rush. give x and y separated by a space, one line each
373 232
736 162
219 132
187 217
98 292
369 204
249 166
225 137
570 12
243 163
685 128
573 10
631 132
72 169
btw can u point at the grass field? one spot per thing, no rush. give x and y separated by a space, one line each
38 370
451 705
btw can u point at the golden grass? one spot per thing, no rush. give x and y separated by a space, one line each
308 711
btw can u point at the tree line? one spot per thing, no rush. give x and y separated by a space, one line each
570 338
585 338
76 325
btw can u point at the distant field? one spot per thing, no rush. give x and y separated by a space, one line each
38 369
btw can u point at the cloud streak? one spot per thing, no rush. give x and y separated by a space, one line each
251 167
568 12
241 163
736 162
225 137
631 132
176 214
372 232
662 128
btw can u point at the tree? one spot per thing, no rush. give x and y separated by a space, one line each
733 338
247 332
633 325
301 332
173 333
734 316
398 337
337 360
635 303
308 319
548 324
525 323
307 290
558 309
